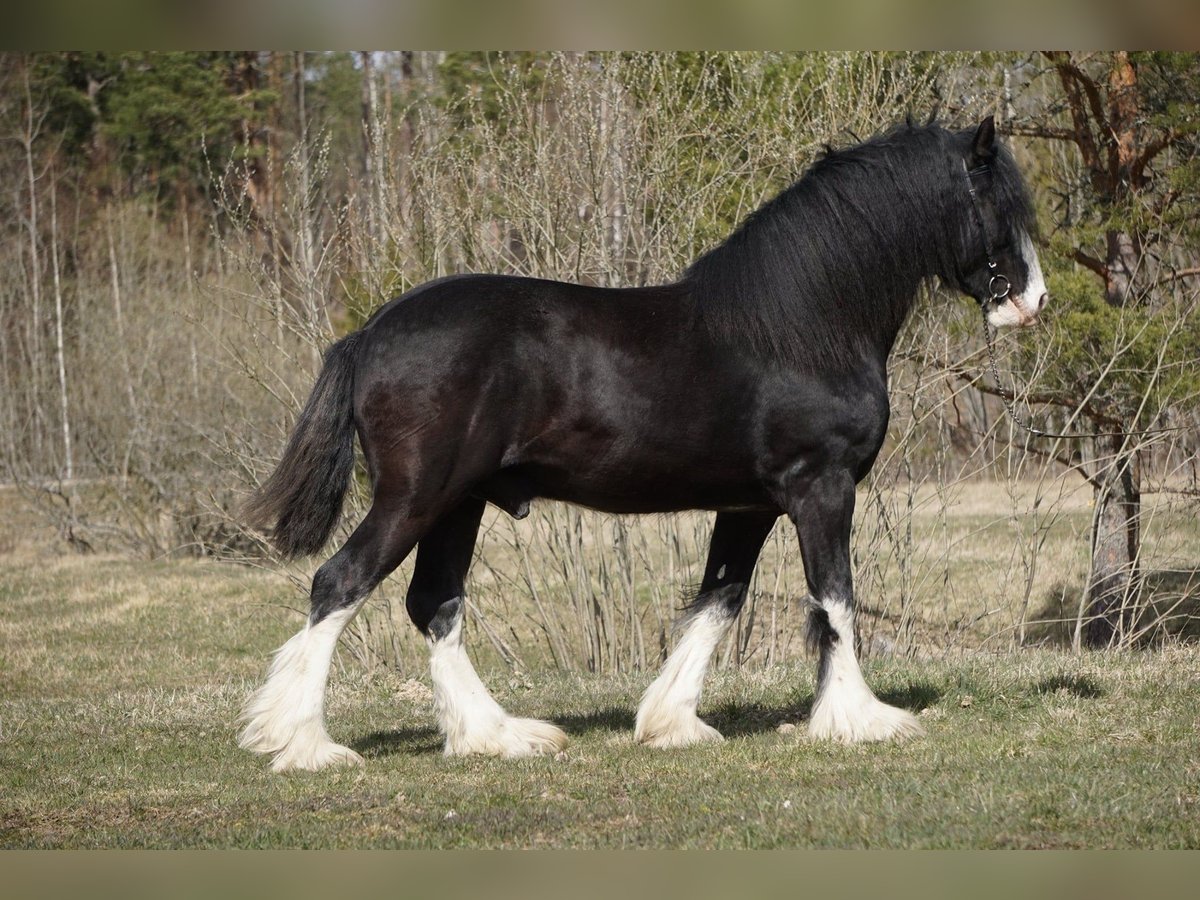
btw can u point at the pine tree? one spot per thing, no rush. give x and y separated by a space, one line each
1130 333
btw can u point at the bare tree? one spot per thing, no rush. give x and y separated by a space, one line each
32 122
59 346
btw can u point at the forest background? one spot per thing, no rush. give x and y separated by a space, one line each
183 233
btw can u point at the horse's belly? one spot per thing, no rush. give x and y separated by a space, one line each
630 490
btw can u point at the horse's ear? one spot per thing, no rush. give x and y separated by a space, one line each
983 145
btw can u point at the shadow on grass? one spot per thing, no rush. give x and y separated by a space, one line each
1167 607
1082 686
1053 623
743 719
913 697
731 719
613 718
403 740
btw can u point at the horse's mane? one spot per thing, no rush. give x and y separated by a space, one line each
832 263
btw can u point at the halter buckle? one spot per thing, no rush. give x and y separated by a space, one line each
998 286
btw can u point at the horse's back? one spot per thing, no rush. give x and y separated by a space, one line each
605 397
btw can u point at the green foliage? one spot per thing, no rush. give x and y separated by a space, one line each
1136 359
333 97
758 119
1142 355
478 80
68 85
156 113
728 102
165 107
1169 84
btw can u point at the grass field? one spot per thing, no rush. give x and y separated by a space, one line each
120 683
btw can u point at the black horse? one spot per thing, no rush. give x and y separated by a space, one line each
755 386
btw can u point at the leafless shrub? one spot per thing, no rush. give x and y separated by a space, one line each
192 343
587 181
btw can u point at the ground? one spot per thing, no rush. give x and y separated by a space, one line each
120 683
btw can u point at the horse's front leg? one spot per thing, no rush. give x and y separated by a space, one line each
845 709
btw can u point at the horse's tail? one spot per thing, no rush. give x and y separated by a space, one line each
302 500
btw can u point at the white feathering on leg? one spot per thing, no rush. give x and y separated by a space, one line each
471 720
666 716
286 716
845 709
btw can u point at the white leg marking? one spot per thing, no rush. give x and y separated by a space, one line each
667 716
845 709
471 720
286 716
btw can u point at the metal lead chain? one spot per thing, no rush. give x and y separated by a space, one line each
1009 405
1004 395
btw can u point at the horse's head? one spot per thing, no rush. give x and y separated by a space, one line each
996 260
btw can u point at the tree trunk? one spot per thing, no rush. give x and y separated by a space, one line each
135 415
372 155
1118 138
27 138
68 468
1116 529
306 207
1121 265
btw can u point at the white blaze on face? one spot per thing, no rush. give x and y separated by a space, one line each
1022 308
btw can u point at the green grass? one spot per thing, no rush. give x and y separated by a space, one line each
120 684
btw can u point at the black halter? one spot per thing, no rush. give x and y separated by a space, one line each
998 284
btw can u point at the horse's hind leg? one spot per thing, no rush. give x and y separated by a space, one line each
286 716
469 718
667 714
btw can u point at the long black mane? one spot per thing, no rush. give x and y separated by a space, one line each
831 265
